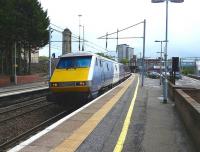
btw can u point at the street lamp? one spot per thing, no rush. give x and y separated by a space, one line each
83 47
50 31
160 59
79 38
166 39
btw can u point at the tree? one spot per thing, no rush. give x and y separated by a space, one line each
23 22
124 61
106 56
43 59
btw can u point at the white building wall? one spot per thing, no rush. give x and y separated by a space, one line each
35 57
122 51
130 52
125 52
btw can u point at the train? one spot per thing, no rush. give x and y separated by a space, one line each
86 74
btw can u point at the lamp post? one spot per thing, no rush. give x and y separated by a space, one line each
83 47
15 65
143 58
49 53
166 39
79 38
160 59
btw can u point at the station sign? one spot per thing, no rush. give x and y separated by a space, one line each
175 64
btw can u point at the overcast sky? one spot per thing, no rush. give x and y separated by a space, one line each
101 16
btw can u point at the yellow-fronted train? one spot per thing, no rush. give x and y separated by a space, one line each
85 74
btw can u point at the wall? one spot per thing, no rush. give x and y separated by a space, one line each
4 81
28 79
189 110
172 88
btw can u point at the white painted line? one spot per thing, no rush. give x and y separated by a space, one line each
46 130
121 139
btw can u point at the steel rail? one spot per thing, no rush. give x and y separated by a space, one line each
24 88
23 113
19 106
31 131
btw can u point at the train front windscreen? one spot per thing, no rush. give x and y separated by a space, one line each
74 62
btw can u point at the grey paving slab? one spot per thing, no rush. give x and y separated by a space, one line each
81 116
52 139
163 129
35 149
69 126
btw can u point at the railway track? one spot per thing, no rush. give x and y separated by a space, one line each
17 110
20 121
25 118
4 146
20 98
8 90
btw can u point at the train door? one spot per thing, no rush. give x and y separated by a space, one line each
115 73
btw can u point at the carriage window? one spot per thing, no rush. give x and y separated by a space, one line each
74 62
107 67
101 64
96 62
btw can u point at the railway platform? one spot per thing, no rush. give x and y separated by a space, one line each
128 118
22 88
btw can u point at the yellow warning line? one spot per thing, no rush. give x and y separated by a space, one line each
122 137
73 142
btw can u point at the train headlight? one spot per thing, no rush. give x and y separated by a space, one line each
82 83
54 84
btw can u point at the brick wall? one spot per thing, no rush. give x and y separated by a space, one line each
172 88
189 110
195 94
28 79
4 81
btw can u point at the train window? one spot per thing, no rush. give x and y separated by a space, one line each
74 62
96 62
101 64
107 67
83 62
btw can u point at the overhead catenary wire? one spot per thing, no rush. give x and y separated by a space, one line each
125 37
95 48
102 37
57 26
73 35
75 38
